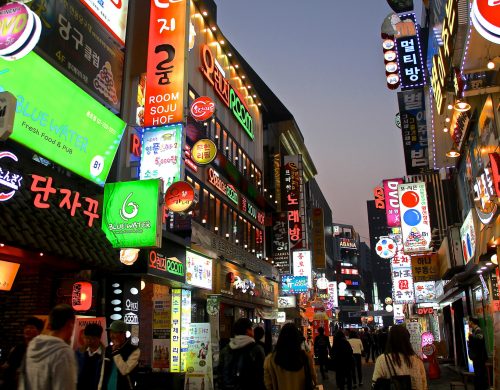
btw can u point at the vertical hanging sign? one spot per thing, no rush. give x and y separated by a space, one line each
166 77
392 202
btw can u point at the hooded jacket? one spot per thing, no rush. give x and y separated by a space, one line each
50 365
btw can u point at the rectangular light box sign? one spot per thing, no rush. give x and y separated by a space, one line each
161 154
58 120
198 270
131 216
302 265
293 284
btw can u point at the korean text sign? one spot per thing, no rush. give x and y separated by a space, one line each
425 267
392 202
166 76
75 43
77 133
161 154
280 243
293 183
410 61
302 265
415 222
402 282
199 271
131 215
293 284
113 15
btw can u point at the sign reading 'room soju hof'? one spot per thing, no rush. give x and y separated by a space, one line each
131 215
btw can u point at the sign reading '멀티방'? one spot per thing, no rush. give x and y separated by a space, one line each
77 133
131 215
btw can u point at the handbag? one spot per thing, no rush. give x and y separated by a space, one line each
394 382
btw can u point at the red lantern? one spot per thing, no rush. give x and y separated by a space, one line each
81 297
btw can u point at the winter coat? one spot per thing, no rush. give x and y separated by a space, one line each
50 365
477 346
277 378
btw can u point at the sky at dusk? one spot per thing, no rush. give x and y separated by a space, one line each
323 59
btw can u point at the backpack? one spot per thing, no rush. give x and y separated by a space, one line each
238 362
395 382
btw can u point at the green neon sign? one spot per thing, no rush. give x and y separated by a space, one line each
56 119
240 113
131 215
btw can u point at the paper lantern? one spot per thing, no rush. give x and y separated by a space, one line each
81 297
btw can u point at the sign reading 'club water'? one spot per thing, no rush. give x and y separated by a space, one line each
76 132
131 215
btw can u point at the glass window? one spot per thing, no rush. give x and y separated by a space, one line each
224 143
211 214
235 154
217 215
252 240
217 135
205 208
226 227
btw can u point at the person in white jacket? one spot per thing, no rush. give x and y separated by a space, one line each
50 362
357 351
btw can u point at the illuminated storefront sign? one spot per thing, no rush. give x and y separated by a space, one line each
485 193
378 194
392 202
441 61
333 296
204 151
249 208
294 284
161 263
347 243
161 154
175 334
280 245
199 271
425 292
77 133
495 171
425 267
414 130
423 311
292 184
402 282
166 76
225 188
287 302
202 108
185 325
468 237
10 181
228 95
386 248
131 213
415 223
179 197
8 272
302 265
400 260
485 18
112 14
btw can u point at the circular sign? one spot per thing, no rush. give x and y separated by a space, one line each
202 108
388 44
428 350
179 196
393 79
322 283
203 152
386 248
391 67
389 308
388 301
390 55
486 19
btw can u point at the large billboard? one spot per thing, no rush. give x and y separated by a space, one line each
415 222
414 130
166 76
293 201
77 133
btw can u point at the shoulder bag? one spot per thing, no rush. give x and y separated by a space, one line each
394 382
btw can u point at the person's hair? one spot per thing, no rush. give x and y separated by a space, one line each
60 315
36 322
258 333
398 342
241 326
288 353
321 330
474 320
353 334
339 335
93 330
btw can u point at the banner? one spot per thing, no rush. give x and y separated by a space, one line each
199 358
161 328
425 267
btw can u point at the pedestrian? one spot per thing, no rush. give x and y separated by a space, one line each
50 362
241 362
478 354
289 367
370 346
9 372
357 350
91 359
342 356
382 340
259 336
120 360
400 359
322 350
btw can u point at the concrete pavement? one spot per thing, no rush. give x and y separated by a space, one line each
443 383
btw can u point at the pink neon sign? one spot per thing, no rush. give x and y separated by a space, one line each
392 202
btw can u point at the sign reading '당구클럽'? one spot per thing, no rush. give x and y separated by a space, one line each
77 132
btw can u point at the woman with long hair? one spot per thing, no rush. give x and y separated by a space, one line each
342 357
400 359
289 367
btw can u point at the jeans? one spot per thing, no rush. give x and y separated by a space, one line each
356 366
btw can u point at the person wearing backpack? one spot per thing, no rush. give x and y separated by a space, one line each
322 349
241 362
399 367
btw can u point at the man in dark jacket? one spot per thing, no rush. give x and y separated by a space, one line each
241 362
322 349
343 357
478 354
90 360
120 360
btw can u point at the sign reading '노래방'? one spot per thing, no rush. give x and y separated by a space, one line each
78 133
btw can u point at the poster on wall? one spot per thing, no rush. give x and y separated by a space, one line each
161 154
199 374
75 43
78 133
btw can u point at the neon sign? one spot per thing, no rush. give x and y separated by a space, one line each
222 186
9 179
225 91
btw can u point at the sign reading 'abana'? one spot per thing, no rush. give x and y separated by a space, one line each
131 215
58 120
